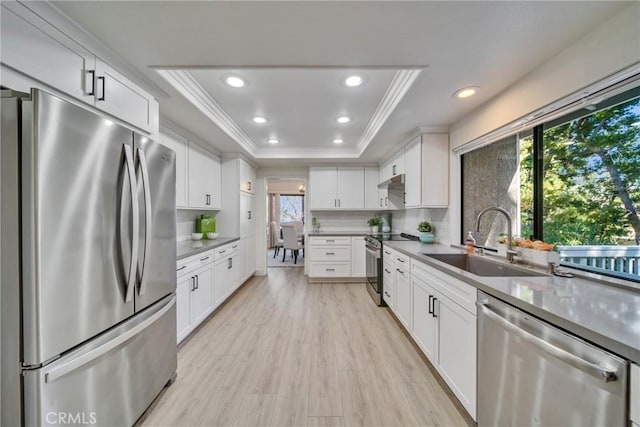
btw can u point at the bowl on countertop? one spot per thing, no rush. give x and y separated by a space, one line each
212 236
196 236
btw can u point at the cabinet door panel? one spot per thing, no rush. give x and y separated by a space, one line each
413 178
350 188
323 191
358 257
38 53
389 286
119 96
220 282
201 297
247 178
197 189
251 255
457 348
425 327
212 181
435 171
372 199
403 296
180 145
183 316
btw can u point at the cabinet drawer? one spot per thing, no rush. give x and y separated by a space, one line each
330 241
387 296
402 260
388 254
329 269
329 253
226 250
459 292
187 265
634 394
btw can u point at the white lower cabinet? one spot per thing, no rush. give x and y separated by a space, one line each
403 296
226 272
634 394
444 325
194 292
389 286
358 257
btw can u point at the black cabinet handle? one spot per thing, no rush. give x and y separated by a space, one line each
249 185
103 97
92 92
205 258
182 268
387 271
430 300
249 214
434 306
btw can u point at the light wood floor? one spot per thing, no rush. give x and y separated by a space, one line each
284 352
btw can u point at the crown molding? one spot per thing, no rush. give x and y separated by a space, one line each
398 87
187 85
304 153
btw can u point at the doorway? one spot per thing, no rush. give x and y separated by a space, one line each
285 216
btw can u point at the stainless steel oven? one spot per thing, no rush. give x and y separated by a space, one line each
374 269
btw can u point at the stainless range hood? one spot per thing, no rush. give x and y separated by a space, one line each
394 182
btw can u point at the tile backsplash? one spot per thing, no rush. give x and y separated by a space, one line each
406 221
186 222
341 221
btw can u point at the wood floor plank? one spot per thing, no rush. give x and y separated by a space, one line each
284 352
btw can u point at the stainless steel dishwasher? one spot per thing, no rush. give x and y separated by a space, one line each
533 374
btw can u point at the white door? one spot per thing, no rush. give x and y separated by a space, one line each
235 271
197 188
251 255
180 145
324 184
247 215
183 314
119 96
425 325
397 164
413 175
201 294
351 188
358 257
212 181
403 296
372 199
243 261
457 350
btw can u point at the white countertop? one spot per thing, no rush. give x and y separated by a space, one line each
608 316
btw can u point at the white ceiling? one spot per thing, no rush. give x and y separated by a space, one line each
302 105
491 44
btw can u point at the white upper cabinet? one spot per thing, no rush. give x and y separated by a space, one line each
372 199
45 54
204 179
40 51
122 98
323 187
337 188
247 177
350 188
435 170
413 177
397 164
180 145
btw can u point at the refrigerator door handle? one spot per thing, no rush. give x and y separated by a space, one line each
128 154
147 219
73 364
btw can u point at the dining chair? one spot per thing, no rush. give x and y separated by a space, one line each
291 242
277 239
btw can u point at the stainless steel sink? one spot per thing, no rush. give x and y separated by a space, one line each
483 267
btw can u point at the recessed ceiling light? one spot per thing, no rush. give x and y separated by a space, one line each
235 81
108 122
272 141
344 119
353 81
466 92
259 119
145 139
338 141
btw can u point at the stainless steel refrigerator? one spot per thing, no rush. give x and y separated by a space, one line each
88 265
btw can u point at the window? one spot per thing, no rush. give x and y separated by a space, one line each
291 208
577 185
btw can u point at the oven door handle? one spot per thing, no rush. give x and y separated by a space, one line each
372 252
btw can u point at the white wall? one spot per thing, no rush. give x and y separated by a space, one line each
607 49
407 222
283 186
342 221
186 223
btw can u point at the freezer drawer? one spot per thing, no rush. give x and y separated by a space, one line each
531 373
111 380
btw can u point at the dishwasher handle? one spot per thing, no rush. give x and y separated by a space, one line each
597 371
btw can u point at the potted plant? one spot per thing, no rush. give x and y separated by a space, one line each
374 223
426 232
